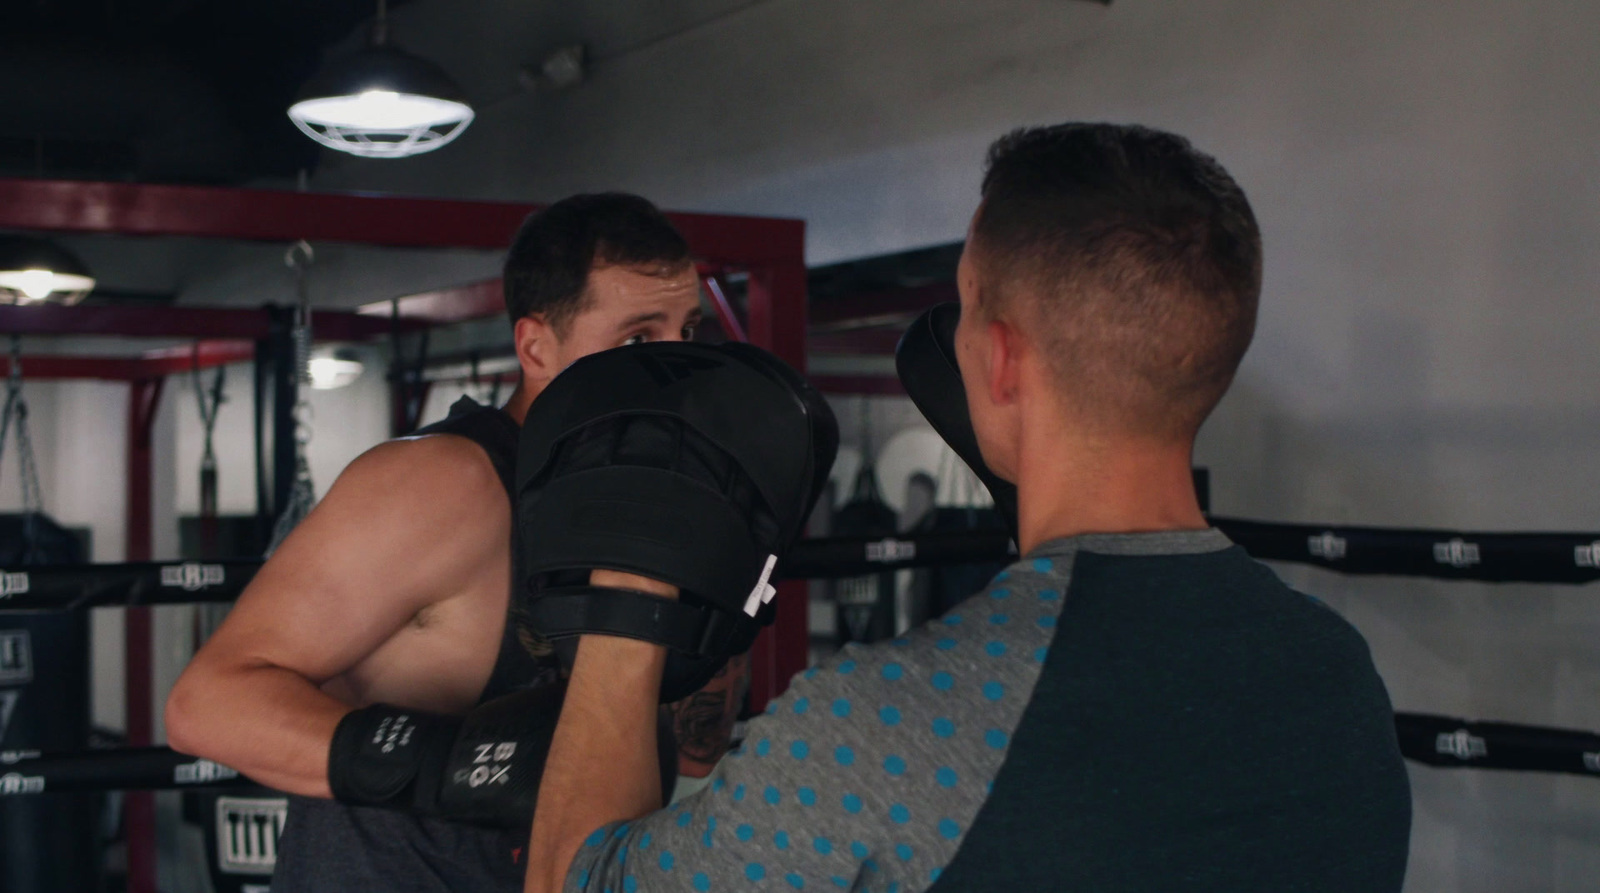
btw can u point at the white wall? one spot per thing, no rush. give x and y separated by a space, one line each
1426 176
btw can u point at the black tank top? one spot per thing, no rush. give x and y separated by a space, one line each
328 846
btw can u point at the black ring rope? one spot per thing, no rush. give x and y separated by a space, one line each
1439 741
1567 558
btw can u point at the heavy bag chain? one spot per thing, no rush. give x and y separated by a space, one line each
302 496
16 408
208 401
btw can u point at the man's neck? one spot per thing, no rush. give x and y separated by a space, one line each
1068 486
521 399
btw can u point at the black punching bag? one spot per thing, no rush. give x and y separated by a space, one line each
50 842
865 604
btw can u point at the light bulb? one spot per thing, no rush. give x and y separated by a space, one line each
36 285
331 371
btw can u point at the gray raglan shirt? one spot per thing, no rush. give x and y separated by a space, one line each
869 771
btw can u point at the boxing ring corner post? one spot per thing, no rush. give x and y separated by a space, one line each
144 398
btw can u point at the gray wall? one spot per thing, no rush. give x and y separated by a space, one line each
1426 175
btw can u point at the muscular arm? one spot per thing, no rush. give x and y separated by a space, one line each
607 730
406 524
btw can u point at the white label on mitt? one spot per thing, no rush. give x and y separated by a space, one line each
764 591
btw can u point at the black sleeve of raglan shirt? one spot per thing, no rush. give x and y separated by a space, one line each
866 773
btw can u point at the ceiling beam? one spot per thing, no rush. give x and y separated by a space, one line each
182 322
143 209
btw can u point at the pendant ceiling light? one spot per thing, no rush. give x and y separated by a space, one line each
34 271
382 102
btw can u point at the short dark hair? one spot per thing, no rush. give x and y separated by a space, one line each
1144 255
547 268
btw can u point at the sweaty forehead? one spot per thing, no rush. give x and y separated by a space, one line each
622 292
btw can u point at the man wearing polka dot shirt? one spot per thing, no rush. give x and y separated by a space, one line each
1134 705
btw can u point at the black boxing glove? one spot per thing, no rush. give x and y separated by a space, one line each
483 768
691 464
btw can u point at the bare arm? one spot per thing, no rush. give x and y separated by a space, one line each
402 527
602 765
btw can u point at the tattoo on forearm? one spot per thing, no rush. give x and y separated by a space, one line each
704 720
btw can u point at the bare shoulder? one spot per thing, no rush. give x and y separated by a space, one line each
442 471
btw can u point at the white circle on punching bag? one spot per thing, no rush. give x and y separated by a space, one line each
920 451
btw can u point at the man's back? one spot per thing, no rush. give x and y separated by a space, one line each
1197 725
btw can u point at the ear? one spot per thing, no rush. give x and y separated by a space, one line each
536 344
1004 357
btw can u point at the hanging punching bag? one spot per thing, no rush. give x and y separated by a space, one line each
865 604
51 842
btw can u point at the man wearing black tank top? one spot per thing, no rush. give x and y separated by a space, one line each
395 588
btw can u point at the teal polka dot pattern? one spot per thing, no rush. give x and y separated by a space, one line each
916 731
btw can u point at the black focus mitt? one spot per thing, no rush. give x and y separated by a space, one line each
691 464
925 358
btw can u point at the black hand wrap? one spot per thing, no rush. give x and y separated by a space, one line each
691 464
926 361
483 768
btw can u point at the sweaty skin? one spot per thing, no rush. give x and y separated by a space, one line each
394 589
